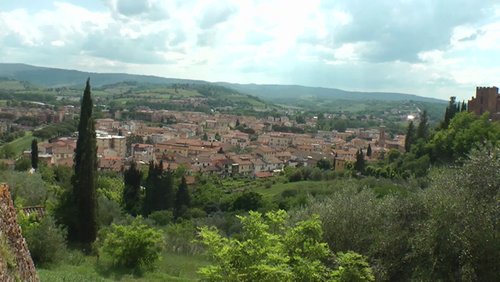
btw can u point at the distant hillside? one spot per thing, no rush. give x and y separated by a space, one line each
282 93
53 77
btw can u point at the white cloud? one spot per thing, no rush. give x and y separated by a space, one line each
425 47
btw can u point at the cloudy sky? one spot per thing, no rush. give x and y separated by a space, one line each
431 48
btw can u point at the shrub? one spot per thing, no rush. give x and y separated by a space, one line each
46 241
108 211
179 238
248 201
161 218
135 247
268 249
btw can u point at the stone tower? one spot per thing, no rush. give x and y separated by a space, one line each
487 100
381 136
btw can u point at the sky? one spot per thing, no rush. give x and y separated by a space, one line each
434 48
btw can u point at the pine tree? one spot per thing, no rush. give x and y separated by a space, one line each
369 151
423 126
410 136
84 227
132 190
182 199
34 154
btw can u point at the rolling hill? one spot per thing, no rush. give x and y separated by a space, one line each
54 77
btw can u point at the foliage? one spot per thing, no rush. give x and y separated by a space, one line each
180 238
268 250
162 218
352 267
324 164
26 189
464 133
159 194
7 151
135 247
444 232
423 126
46 241
410 136
262 253
132 197
248 201
34 154
182 199
82 199
111 187
64 128
22 164
108 211
359 165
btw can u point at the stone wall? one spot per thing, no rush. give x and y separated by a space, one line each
15 260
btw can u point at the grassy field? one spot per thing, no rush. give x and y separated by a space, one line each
301 186
21 144
172 267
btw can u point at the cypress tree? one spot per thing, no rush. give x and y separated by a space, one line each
132 190
182 199
166 195
369 151
450 112
84 227
410 136
152 183
360 161
423 126
464 106
34 154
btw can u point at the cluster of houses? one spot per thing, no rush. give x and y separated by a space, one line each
211 144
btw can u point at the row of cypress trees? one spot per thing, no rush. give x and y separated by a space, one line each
159 192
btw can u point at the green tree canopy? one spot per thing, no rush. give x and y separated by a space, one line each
270 250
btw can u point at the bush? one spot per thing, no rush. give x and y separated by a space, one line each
248 201
46 241
269 249
179 238
108 211
161 218
135 247
27 189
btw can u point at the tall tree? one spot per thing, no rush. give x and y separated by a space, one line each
423 126
84 226
152 183
182 199
410 136
359 166
464 106
132 190
369 151
34 154
166 195
450 112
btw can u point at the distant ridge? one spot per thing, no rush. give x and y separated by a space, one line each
275 93
55 77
